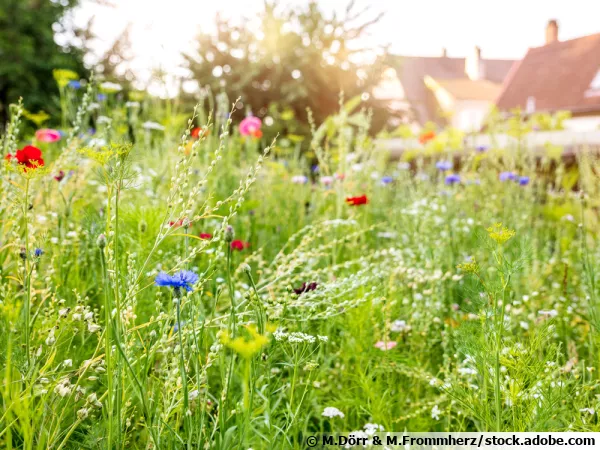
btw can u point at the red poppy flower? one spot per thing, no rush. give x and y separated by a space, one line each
196 132
205 236
60 176
239 245
178 223
256 133
356 201
29 156
426 136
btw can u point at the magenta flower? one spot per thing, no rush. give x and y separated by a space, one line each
47 135
250 126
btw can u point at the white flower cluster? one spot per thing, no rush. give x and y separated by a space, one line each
297 337
332 411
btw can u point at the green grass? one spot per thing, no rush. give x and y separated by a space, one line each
94 355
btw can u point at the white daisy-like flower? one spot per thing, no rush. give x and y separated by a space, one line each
435 413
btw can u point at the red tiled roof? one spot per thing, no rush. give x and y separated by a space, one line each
413 69
557 76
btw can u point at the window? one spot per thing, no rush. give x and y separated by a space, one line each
595 85
530 106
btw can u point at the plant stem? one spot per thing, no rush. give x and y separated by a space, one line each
27 278
177 296
108 347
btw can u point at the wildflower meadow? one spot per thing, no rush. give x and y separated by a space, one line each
173 278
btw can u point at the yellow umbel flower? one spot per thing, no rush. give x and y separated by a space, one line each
499 233
469 266
246 347
105 154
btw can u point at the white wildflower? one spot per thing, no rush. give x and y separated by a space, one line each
148 125
332 411
92 327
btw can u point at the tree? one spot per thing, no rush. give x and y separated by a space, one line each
297 58
29 52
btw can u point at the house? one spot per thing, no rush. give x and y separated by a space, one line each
561 75
443 90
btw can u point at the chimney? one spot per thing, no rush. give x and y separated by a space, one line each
474 65
551 32
444 52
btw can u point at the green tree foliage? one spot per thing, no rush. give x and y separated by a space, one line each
29 52
288 60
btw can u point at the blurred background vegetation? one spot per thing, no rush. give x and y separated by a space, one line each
289 60
29 52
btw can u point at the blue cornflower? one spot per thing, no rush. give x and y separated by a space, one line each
505 176
523 181
453 179
387 180
38 252
444 165
74 84
101 97
176 326
182 279
482 148
315 169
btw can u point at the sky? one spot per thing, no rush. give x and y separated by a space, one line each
161 29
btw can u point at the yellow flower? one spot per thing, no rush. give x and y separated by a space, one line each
103 155
469 266
38 118
246 347
499 233
63 76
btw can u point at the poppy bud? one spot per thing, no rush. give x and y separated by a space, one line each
101 241
142 226
229 234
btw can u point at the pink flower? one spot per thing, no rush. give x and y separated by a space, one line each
385 346
250 126
47 135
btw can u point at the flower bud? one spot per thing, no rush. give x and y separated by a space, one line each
101 241
229 234
142 226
